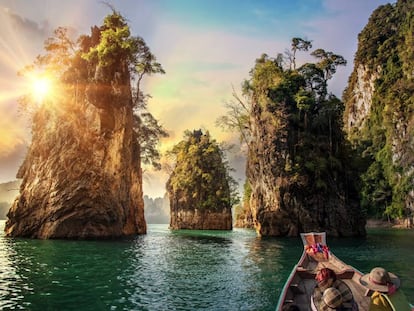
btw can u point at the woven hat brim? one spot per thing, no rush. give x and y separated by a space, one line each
364 280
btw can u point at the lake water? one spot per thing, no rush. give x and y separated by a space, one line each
176 270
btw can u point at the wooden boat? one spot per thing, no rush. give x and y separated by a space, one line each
301 282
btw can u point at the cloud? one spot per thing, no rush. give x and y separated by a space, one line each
24 25
201 68
20 39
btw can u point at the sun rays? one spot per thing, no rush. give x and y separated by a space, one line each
42 88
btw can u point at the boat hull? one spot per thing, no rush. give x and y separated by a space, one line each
301 282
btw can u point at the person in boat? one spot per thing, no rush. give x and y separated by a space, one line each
384 291
331 293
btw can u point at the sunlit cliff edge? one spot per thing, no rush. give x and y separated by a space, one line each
81 178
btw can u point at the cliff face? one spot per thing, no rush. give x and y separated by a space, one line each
299 168
244 218
266 155
81 176
360 101
200 219
286 204
198 188
379 109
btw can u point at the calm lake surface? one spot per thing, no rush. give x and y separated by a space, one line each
176 270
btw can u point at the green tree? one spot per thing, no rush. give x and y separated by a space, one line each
201 173
299 44
328 62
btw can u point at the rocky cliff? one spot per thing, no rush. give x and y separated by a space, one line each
359 107
283 203
379 110
199 189
200 219
81 178
299 168
157 211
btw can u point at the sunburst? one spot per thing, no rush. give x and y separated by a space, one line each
41 88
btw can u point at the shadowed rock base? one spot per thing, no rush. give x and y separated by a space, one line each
201 220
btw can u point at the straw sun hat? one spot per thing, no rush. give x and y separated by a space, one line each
380 279
331 299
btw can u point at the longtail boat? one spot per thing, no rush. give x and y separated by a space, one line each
299 287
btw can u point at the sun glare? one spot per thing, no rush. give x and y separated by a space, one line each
41 88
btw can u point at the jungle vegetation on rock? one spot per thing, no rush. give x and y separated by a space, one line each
295 133
381 125
300 171
200 187
314 162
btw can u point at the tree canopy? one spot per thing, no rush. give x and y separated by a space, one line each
201 173
297 101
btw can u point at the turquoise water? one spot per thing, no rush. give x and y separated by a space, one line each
175 270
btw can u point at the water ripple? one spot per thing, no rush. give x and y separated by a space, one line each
172 270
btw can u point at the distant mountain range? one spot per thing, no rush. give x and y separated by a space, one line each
8 192
157 211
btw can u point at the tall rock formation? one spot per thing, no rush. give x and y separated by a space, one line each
379 117
299 168
81 178
199 187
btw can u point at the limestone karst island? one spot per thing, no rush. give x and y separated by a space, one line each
314 162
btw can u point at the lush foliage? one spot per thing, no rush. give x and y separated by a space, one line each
201 173
386 45
296 101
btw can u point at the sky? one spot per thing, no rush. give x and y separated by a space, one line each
207 48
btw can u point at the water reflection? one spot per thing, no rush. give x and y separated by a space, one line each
273 258
60 275
13 287
180 271
169 270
